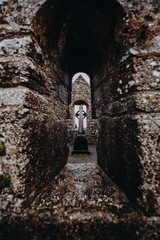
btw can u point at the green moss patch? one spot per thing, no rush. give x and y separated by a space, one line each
2 149
5 180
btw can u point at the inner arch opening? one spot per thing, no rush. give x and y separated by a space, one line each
87 36
84 75
78 37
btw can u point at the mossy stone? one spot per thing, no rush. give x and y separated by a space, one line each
2 149
5 180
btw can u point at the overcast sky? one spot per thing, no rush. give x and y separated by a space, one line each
84 75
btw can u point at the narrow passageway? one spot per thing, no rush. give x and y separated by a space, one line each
79 72
83 203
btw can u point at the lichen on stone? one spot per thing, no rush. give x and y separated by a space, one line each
2 149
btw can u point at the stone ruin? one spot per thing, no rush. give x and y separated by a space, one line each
81 95
42 45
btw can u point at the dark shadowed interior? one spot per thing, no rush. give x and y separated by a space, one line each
78 37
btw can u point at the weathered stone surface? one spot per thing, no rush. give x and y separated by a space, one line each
81 203
126 90
143 101
31 125
35 148
31 120
149 125
21 64
42 44
4 13
23 11
130 157
133 64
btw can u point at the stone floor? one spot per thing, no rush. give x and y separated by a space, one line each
83 158
81 203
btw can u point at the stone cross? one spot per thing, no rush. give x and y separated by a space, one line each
81 115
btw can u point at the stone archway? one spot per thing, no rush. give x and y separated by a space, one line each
119 49
108 46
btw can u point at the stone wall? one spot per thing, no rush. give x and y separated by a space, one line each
35 148
127 101
32 109
40 48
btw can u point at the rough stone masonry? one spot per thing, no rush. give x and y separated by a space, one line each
42 45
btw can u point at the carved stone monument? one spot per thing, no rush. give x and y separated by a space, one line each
81 114
80 143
